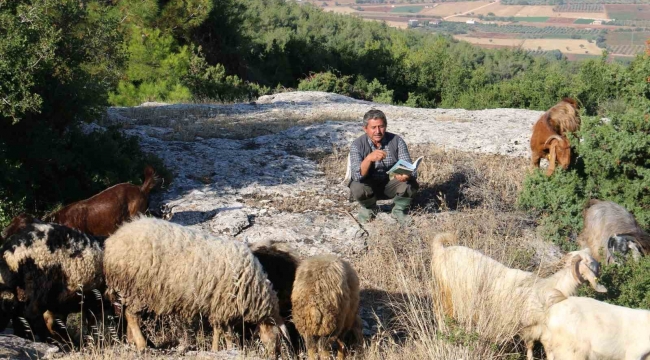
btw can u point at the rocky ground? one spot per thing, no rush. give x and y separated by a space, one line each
269 186
250 170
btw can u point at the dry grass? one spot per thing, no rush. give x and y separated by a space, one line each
471 195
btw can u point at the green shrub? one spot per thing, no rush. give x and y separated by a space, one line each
611 162
344 85
59 60
328 82
628 284
59 170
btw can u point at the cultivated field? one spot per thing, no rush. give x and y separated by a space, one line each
628 12
340 9
628 50
486 41
627 38
569 46
447 9
521 10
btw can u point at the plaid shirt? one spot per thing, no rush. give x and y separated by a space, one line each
380 167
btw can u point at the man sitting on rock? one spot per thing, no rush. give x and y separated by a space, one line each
371 156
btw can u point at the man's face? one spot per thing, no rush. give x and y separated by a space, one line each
375 130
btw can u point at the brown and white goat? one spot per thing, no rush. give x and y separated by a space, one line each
610 228
549 139
102 214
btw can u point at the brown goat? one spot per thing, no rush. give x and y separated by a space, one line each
610 228
17 223
103 213
549 138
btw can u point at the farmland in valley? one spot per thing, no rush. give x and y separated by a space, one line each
580 28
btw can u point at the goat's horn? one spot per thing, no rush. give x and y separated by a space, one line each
557 137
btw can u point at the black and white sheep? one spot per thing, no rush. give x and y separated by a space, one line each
610 228
325 303
166 268
43 270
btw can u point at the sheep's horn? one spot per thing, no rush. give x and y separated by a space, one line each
557 137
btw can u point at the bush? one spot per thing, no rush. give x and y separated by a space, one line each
361 88
328 82
628 284
59 62
74 166
611 162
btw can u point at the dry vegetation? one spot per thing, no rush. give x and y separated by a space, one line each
470 194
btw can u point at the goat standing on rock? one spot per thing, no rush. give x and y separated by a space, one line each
549 138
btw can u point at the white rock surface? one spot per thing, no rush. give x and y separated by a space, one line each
214 176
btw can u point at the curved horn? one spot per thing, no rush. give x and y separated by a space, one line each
575 260
557 137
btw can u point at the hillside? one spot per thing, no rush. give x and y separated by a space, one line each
271 169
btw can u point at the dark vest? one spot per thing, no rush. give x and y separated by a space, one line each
391 146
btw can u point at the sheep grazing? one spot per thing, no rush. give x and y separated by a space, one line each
280 262
477 288
549 138
584 328
43 269
101 214
165 268
325 302
610 228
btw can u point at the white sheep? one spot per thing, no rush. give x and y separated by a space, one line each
609 227
325 302
166 268
582 328
478 288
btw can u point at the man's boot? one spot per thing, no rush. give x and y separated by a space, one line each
368 209
400 206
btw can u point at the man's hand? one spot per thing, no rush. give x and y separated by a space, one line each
402 177
376 155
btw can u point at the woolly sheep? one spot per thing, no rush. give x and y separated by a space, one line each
471 282
166 268
325 303
609 227
583 328
42 270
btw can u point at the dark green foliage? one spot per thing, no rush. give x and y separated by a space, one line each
344 85
59 60
628 284
612 162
